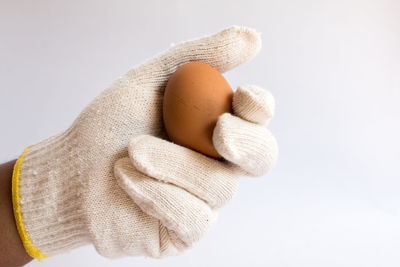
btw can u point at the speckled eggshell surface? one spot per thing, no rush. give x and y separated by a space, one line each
195 96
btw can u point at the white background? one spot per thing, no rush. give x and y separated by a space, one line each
334 68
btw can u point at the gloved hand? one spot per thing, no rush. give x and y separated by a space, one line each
112 179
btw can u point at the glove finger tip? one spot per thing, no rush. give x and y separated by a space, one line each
243 44
254 104
251 146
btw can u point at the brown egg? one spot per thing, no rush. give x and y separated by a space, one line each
195 96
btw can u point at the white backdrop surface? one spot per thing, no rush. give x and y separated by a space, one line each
334 68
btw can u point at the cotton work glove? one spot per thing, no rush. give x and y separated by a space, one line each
113 180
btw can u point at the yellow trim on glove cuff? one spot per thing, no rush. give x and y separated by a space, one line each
29 247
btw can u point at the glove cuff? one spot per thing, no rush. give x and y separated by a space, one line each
46 202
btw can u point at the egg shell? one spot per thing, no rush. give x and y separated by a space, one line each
195 96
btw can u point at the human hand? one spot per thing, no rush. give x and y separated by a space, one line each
113 180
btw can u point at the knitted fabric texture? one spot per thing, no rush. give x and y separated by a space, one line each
113 180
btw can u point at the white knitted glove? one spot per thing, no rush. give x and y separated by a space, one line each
112 180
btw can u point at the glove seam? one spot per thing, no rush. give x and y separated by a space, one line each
26 241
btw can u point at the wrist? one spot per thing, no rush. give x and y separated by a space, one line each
12 252
46 197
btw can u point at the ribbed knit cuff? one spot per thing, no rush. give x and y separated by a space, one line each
46 199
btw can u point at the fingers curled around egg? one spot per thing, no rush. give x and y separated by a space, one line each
249 145
213 181
178 210
254 104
